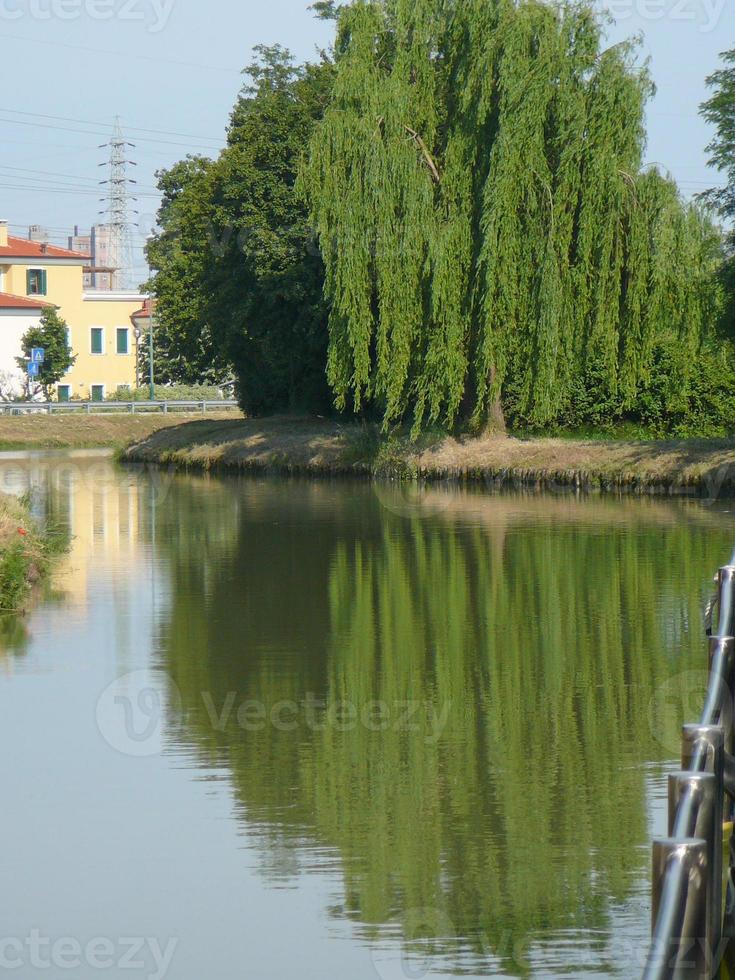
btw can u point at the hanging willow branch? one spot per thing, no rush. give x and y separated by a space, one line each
427 156
539 265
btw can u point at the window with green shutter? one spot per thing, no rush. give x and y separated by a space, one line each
98 393
97 340
122 340
36 282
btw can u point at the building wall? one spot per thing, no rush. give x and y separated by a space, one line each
105 255
82 311
13 324
110 368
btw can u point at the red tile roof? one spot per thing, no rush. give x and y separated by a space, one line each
10 302
146 308
21 248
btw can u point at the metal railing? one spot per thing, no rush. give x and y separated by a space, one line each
193 406
692 889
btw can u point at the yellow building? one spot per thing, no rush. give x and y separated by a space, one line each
100 331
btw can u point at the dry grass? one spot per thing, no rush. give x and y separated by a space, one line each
79 431
313 446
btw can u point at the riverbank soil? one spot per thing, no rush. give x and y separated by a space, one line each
703 467
81 431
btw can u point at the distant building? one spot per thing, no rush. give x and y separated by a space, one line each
34 275
37 233
100 244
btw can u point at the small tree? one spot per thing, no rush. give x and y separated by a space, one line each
51 334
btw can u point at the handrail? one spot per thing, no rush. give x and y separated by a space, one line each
102 408
688 906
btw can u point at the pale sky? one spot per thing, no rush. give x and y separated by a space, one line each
171 70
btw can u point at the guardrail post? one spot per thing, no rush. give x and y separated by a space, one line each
679 910
726 596
719 707
706 744
701 810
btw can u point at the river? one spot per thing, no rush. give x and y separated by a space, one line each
281 728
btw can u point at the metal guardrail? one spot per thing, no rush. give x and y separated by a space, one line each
111 408
692 880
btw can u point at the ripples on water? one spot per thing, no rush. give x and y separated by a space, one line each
369 730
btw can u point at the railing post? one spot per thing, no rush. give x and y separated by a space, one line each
692 801
706 744
726 596
719 707
679 910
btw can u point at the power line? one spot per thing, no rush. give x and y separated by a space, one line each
87 132
130 129
46 173
61 189
123 54
51 173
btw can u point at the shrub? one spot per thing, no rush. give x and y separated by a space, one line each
171 393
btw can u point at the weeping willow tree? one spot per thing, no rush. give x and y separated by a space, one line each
488 232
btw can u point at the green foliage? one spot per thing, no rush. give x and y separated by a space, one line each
184 349
486 228
719 111
238 278
51 334
27 547
13 576
171 393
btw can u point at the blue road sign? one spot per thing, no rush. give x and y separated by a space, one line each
33 369
38 355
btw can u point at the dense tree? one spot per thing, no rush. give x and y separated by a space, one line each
184 349
238 278
52 334
486 228
719 110
486 242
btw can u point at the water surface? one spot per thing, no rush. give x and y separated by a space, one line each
326 729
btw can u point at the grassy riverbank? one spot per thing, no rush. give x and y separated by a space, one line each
25 554
325 447
81 431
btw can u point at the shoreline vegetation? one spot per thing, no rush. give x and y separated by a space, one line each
315 447
26 554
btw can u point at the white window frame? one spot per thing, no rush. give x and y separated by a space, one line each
98 384
127 338
104 342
